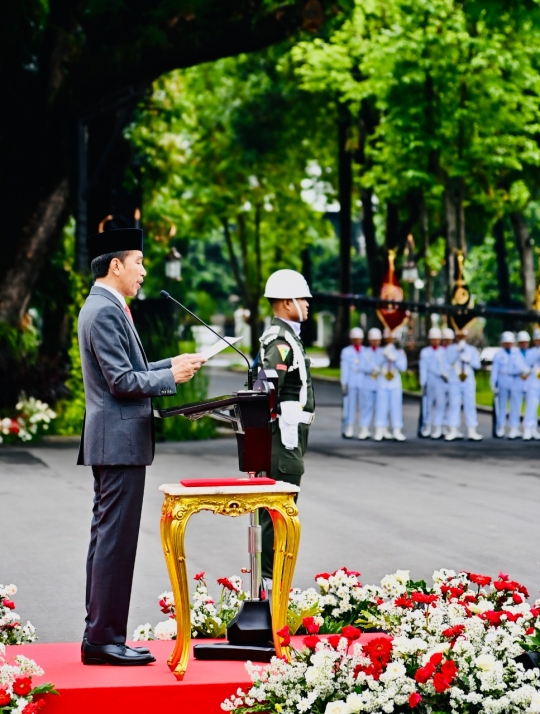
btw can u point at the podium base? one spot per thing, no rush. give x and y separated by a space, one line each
240 653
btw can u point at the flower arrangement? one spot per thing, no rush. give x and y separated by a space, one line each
12 631
455 647
208 618
17 694
33 419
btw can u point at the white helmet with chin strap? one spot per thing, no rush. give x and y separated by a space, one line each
287 285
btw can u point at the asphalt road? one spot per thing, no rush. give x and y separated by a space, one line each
418 505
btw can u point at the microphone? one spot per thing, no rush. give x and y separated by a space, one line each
165 294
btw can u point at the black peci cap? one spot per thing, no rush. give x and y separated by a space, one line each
114 241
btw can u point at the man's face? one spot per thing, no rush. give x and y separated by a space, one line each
435 343
523 345
356 341
375 343
293 312
507 345
129 274
537 342
446 342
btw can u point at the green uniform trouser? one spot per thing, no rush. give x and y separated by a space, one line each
287 465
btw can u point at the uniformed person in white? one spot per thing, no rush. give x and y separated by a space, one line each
446 341
351 380
508 364
519 385
370 366
463 360
532 397
389 404
433 379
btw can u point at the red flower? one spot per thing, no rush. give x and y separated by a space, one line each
414 700
5 697
164 606
440 682
351 633
454 632
379 650
311 641
424 673
285 635
421 597
404 601
333 640
503 576
33 707
449 669
517 598
199 576
226 583
535 611
436 659
22 686
530 631
324 576
373 670
14 427
311 626
480 580
9 604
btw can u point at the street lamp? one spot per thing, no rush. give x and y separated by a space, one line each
173 264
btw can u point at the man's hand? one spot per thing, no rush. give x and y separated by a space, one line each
184 367
344 389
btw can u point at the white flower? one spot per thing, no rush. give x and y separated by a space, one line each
402 576
339 707
485 662
143 633
165 630
535 703
395 670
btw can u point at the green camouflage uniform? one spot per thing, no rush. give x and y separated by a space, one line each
280 350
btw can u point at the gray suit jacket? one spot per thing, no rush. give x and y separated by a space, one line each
119 381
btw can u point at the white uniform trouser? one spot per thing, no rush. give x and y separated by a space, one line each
368 398
517 395
532 398
436 399
353 404
463 393
389 402
503 397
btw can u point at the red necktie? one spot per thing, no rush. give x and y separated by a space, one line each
128 312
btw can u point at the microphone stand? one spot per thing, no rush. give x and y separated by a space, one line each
165 294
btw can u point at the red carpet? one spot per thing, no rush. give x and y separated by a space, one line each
135 690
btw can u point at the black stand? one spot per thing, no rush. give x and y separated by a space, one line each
249 636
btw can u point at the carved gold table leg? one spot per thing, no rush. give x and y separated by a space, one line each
286 544
173 527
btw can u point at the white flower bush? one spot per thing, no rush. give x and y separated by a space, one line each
12 630
208 617
458 646
33 419
17 693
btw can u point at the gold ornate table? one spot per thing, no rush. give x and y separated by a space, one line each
182 502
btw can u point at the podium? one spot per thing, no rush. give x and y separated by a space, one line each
252 633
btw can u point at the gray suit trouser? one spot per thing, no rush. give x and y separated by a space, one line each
116 516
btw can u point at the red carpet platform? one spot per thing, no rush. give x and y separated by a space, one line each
153 689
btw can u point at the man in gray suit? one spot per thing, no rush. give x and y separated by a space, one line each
118 437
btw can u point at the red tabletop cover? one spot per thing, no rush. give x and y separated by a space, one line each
201 482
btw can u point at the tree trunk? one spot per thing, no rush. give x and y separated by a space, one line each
450 208
372 249
503 275
17 285
525 247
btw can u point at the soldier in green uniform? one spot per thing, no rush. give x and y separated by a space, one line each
282 350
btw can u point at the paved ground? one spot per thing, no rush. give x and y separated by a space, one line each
373 507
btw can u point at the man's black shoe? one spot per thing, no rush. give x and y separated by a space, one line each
141 650
118 655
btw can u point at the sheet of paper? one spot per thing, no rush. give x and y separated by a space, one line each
219 346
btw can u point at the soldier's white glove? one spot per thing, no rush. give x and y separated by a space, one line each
461 345
291 413
392 357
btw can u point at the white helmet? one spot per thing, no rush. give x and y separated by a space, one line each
286 285
447 333
508 337
434 334
357 333
523 336
374 334
536 334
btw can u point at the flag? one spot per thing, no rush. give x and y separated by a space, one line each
392 317
461 296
